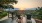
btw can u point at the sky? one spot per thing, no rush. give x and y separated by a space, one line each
23 4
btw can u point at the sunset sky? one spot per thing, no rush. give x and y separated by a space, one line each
22 4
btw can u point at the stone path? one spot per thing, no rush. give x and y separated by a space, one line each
33 21
9 20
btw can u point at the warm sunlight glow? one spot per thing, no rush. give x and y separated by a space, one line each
22 4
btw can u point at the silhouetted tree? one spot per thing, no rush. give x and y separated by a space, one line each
2 2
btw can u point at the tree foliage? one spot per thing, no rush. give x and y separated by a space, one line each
7 1
2 2
39 15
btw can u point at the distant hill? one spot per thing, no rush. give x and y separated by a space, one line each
10 9
30 9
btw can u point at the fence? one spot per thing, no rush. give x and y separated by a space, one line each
38 21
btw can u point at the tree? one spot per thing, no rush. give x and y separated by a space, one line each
2 2
39 13
8 1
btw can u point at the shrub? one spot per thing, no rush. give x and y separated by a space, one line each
3 14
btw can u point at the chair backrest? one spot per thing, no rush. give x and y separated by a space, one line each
18 16
28 16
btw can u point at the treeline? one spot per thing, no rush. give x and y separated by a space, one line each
38 13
